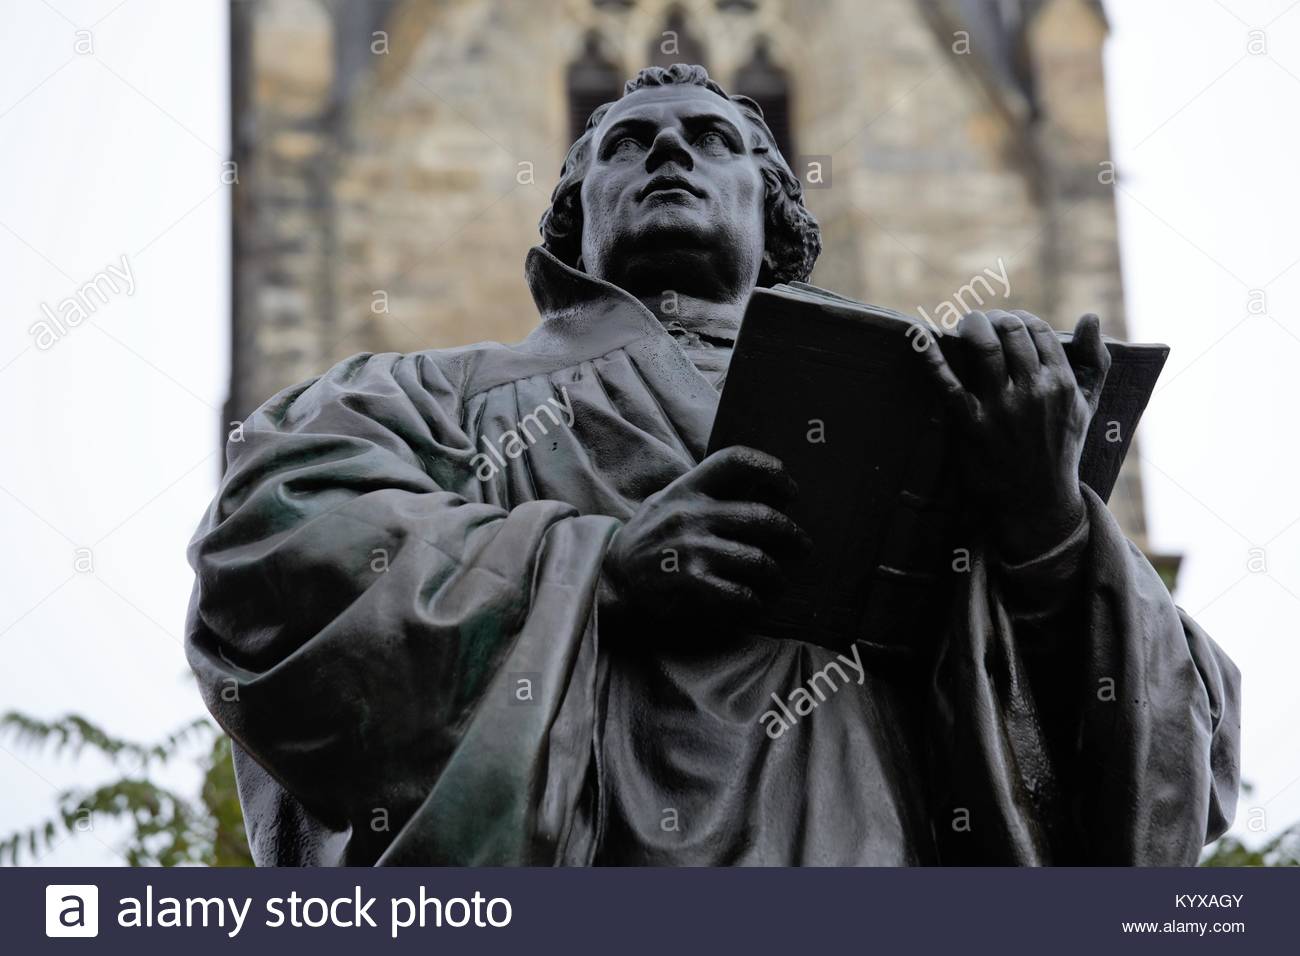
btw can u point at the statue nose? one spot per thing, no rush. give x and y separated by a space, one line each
667 147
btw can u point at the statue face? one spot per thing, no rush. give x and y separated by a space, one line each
673 198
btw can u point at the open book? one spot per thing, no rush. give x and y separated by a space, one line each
834 389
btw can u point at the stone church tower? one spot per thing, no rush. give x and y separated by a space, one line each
394 157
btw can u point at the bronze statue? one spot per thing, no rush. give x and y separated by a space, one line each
491 605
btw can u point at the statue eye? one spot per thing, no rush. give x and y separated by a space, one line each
626 145
712 141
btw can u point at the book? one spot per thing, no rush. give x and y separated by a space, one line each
835 389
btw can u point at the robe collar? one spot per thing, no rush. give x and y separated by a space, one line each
571 302
583 317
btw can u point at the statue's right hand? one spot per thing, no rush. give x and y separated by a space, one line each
715 544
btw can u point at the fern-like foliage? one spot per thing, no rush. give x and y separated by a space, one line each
1282 850
73 733
167 829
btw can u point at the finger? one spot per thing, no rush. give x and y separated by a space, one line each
926 344
985 365
1091 358
1018 349
739 473
1051 354
741 563
760 525
718 593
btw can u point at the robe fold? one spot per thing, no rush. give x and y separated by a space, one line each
394 617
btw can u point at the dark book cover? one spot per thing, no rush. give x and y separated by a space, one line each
835 390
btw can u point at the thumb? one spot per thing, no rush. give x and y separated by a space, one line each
1091 359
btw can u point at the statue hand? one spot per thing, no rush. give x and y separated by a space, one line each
713 544
1023 414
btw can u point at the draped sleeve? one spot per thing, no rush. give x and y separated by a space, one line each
1102 729
408 672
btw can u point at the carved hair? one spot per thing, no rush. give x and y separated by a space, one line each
792 236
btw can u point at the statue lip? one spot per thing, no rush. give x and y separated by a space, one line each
667 183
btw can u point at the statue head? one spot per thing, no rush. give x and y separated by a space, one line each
677 185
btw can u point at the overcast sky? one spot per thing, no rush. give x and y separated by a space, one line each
111 437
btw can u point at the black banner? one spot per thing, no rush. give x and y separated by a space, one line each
649 911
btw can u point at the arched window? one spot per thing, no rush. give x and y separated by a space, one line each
768 85
592 81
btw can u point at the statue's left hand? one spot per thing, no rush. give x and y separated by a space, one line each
1023 413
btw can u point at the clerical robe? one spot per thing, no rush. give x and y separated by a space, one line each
395 619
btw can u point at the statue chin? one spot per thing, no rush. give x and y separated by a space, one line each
678 262
674 224
681 248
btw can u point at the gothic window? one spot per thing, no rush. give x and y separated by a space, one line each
768 85
592 81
